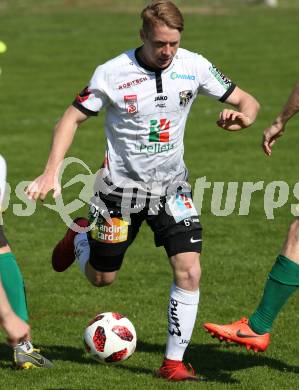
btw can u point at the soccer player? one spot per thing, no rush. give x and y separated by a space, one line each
13 307
147 93
283 278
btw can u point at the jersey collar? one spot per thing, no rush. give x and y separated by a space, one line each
147 67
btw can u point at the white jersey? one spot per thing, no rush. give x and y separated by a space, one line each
146 113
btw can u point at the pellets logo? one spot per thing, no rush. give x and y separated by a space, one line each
159 138
159 130
131 103
110 233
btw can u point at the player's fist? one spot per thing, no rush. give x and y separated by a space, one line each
39 187
233 120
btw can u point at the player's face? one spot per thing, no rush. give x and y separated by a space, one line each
160 45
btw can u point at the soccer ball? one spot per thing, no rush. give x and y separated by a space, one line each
110 338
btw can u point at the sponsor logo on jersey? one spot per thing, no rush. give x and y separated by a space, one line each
160 105
223 80
112 233
155 148
158 137
159 130
129 84
175 75
131 103
83 95
185 97
160 97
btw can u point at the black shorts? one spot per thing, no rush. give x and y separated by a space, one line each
174 221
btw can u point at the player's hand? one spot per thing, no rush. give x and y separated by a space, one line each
233 120
39 188
16 329
270 136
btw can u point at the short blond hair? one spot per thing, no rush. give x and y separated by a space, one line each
162 12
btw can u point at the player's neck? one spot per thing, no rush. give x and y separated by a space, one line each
144 61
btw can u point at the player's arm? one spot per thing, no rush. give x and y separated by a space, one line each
277 128
15 328
244 114
63 136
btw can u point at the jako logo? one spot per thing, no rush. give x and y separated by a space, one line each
175 75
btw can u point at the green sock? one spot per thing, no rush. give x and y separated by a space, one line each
13 284
283 280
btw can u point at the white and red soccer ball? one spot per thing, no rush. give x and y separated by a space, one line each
110 338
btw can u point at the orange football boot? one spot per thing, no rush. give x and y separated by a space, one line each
239 332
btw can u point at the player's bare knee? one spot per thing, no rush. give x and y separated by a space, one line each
5 249
187 270
294 230
102 279
193 275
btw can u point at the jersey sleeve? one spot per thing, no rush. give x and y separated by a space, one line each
212 82
93 97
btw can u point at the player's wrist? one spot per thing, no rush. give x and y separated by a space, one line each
280 122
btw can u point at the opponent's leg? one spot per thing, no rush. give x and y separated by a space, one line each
25 355
12 279
282 282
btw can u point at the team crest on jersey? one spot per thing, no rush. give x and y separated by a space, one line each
83 95
185 97
131 103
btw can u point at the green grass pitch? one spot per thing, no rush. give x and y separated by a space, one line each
53 48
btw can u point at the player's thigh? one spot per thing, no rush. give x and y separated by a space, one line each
178 227
108 241
181 235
